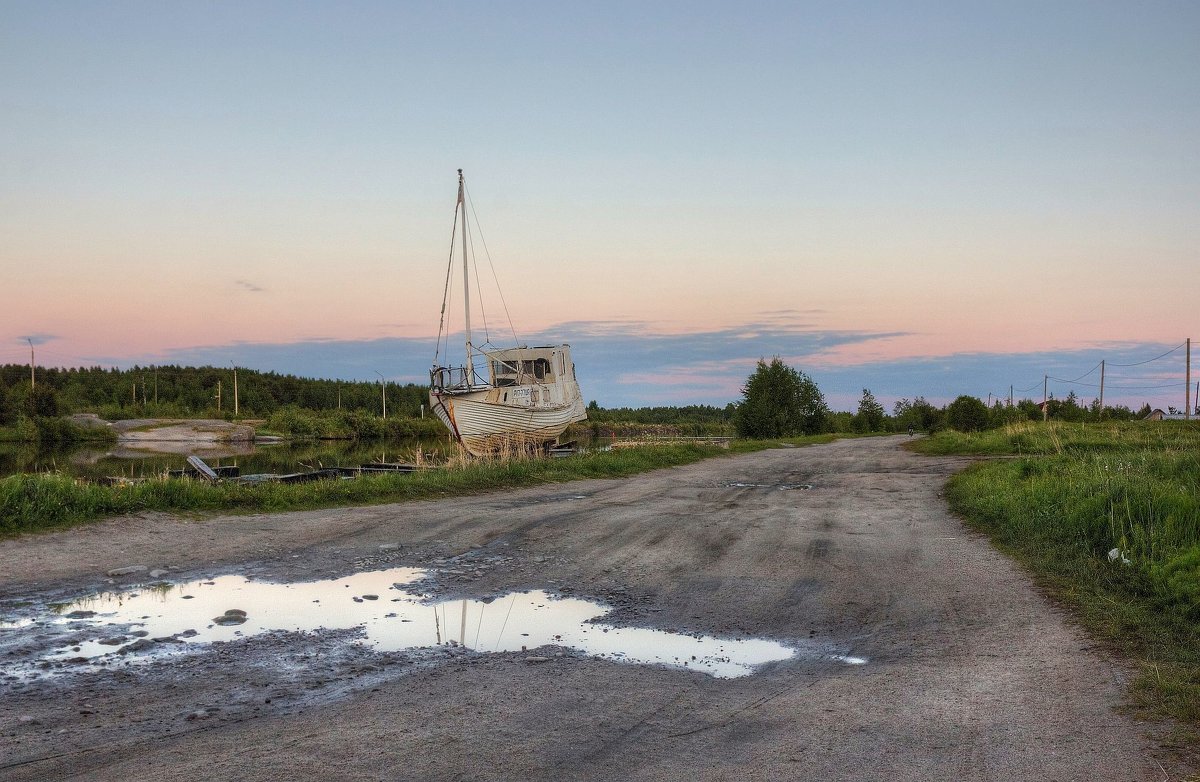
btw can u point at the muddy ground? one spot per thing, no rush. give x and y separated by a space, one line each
837 550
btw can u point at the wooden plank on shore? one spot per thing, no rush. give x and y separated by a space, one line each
202 468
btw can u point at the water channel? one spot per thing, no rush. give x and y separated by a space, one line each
154 459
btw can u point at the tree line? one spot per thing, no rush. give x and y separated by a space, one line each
777 401
780 401
172 391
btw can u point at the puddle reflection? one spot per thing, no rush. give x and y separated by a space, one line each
393 615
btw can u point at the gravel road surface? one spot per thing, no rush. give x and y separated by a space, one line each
844 552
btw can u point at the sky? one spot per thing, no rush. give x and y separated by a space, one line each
926 198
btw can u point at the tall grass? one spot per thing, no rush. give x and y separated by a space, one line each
1030 438
1108 517
294 421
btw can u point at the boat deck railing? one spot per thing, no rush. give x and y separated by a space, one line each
453 379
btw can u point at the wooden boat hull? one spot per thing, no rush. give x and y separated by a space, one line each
485 427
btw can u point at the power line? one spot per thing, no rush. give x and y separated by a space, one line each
1081 377
1106 385
1109 385
1073 382
1147 361
1176 384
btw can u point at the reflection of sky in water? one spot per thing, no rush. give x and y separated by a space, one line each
150 458
395 619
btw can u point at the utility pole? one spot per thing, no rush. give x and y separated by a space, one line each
1187 393
235 392
156 386
1010 393
1045 406
32 377
1101 412
383 385
218 395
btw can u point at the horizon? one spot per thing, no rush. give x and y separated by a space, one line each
927 201
1085 386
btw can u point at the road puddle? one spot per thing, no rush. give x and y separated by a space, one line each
153 622
779 486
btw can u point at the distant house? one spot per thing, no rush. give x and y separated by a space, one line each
1159 415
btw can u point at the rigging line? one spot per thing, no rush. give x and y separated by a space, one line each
482 606
446 290
475 259
1147 361
449 320
496 277
506 616
487 336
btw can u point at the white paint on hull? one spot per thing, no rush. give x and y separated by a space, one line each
485 427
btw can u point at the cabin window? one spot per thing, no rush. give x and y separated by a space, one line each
535 396
536 368
505 396
503 374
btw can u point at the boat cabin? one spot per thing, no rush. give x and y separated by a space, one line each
528 366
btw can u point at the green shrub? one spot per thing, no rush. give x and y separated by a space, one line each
967 414
779 401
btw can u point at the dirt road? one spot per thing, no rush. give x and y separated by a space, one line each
844 552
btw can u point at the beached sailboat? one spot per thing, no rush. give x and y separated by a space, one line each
521 398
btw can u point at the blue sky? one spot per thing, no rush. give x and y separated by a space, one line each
922 198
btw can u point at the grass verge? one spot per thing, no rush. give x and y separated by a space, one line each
31 503
1072 495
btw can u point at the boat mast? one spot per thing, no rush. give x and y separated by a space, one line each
462 203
